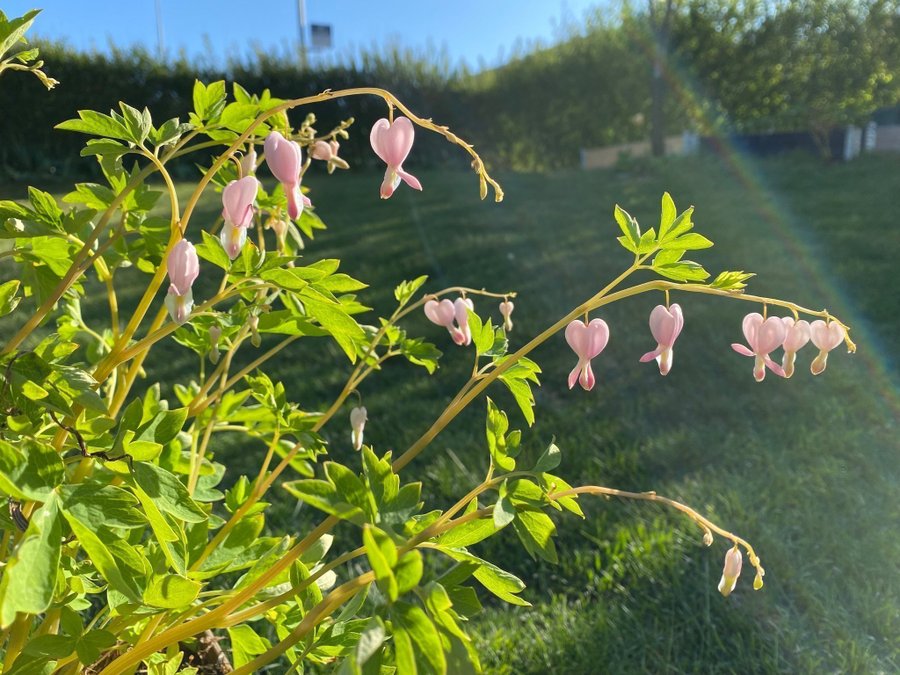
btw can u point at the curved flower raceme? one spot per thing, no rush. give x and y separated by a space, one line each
183 268
358 417
392 143
763 336
797 336
825 336
461 307
731 571
665 326
587 340
237 211
285 159
506 309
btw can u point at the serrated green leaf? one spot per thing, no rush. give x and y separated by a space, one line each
731 281
96 124
686 270
627 244
647 242
482 334
495 431
406 289
667 257
681 225
667 215
688 242
628 225
138 123
13 30
211 249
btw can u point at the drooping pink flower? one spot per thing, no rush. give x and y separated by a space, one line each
358 418
731 571
506 309
183 268
461 307
825 336
587 340
797 336
665 326
285 159
328 153
392 143
443 313
763 336
237 211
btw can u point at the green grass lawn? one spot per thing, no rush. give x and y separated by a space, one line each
806 469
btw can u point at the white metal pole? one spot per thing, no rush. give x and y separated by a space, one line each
301 21
160 40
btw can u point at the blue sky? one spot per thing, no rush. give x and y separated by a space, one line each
471 30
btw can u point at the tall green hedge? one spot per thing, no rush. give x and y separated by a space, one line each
735 66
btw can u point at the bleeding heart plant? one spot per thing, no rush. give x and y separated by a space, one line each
124 553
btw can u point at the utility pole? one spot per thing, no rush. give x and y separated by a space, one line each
301 25
160 40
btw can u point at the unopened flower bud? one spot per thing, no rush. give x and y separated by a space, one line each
506 309
731 571
707 538
757 582
248 162
215 333
358 417
321 150
253 322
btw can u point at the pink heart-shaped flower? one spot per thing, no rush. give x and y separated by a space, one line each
441 313
826 336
